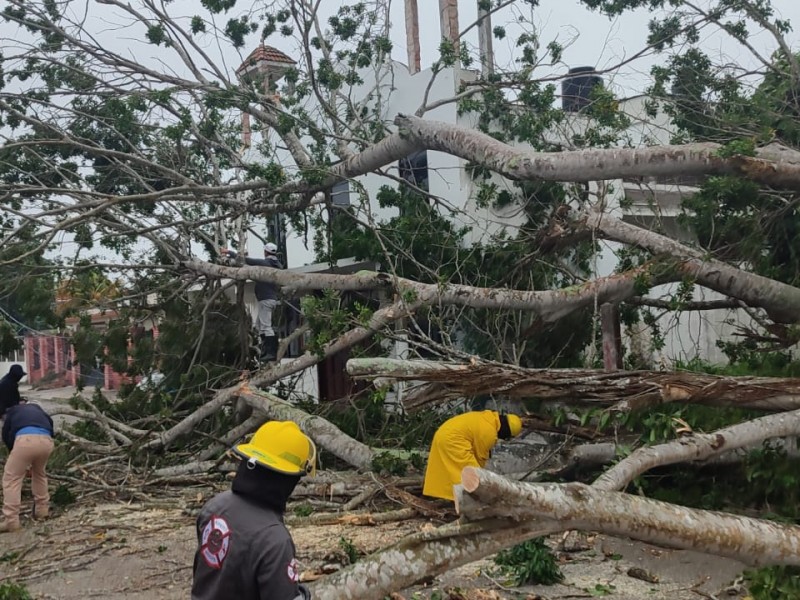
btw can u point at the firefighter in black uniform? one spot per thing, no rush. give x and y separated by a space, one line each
244 549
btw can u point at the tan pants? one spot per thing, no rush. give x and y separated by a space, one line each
30 452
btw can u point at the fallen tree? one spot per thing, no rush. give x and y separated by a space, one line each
503 513
578 506
136 155
638 389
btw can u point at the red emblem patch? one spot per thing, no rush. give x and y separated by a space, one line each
215 542
293 570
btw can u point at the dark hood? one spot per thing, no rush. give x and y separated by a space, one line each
16 373
264 486
504 433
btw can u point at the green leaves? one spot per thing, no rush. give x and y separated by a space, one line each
237 29
157 35
198 25
218 6
530 563
9 342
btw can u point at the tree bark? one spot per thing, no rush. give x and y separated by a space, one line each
781 301
549 305
578 506
596 164
637 388
322 431
422 555
699 446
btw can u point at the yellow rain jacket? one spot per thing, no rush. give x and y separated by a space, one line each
464 440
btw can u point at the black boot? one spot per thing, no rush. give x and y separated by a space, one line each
269 348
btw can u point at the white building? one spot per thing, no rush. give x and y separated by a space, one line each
397 88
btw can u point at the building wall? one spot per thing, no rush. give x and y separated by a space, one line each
14 358
48 361
687 335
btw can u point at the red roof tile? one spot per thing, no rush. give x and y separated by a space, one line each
267 53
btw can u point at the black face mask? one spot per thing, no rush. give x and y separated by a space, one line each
264 486
504 433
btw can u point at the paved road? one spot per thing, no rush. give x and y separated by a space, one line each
51 400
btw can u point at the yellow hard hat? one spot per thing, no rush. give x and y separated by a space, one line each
282 447
514 424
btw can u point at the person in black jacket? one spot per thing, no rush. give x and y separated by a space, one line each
28 434
9 388
267 296
244 550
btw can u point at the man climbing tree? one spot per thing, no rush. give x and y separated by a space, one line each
267 296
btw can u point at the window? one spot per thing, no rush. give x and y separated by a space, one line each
340 193
414 169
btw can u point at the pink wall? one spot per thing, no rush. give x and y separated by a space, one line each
51 358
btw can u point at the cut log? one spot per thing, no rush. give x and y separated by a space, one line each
578 506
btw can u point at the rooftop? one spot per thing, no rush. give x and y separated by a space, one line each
266 54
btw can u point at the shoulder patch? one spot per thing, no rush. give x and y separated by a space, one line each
215 542
293 570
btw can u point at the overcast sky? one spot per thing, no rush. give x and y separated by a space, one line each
590 38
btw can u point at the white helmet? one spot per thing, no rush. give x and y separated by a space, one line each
270 248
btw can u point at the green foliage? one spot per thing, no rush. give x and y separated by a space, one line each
530 562
303 510
396 463
14 591
599 590
327 316
732 217
351 553
27 288
773 583
8 337
198 350
738 148
63 496
744 362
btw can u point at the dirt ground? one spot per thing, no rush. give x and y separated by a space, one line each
144 551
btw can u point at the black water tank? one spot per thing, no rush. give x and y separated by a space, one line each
577 86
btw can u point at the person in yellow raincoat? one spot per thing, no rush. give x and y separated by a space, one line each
465 440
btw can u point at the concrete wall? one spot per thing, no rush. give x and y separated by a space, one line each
13 358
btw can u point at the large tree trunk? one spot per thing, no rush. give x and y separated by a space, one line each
422 555
781 301
700 446
322 431
596 164
549 305
637 388
578 506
